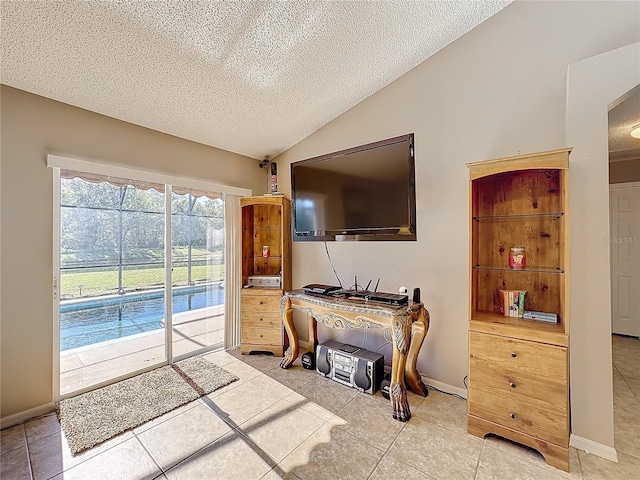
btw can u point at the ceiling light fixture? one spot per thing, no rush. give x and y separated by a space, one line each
635 131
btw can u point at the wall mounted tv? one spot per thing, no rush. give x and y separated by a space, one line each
363 193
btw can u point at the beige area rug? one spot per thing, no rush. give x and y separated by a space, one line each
96 416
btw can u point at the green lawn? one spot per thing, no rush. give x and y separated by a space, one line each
106 282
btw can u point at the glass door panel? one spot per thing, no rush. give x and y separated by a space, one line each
111 279
197 232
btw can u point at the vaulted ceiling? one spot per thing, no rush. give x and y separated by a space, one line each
251 77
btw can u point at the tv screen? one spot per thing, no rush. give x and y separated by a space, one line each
363 193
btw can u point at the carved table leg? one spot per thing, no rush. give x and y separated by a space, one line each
294 346
397 389
401 338
419 330
313 335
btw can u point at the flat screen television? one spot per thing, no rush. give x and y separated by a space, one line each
363 193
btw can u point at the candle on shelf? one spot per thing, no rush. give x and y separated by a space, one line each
517 258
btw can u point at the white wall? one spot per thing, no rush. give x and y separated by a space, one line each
496 92
590 90
32 127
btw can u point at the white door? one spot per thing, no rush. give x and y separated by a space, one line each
625 258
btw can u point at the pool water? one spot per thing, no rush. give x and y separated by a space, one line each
86 323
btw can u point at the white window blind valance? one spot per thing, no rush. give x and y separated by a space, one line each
180 184
141 184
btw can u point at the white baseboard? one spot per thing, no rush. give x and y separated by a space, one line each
594 448
16 418
445 387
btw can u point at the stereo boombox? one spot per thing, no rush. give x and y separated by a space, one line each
350 365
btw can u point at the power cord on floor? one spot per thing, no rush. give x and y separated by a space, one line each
442 391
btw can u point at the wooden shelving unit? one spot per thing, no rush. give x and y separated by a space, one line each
266 221
518 369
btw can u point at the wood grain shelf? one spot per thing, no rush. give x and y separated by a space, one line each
519 216
533 330
520 270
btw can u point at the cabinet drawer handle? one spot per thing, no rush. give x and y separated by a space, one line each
261 336
513 354
261 302
512 415
512 385
260 319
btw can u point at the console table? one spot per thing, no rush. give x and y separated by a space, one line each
409 325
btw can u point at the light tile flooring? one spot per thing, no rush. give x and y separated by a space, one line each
293 424
626 396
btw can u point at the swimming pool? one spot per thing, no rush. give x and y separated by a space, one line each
97 320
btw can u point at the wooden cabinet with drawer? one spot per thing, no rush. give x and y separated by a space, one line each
518 368
266 255
262 328
520 385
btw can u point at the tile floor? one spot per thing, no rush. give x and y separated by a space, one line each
626 396
293 424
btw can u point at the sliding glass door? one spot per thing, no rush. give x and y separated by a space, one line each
197 273
113 277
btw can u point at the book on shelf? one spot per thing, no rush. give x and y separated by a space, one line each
541 316
512 302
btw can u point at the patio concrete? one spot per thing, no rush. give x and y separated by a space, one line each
92 364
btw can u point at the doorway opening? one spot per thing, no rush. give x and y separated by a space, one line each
624 240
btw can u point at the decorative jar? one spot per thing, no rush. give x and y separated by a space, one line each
517 258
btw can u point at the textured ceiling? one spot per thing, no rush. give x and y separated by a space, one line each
623 117
252 77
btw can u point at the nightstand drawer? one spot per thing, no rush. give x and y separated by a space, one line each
261 320
525 358
262 336
538 419
257 304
